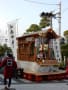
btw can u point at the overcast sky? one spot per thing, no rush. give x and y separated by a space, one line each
28 12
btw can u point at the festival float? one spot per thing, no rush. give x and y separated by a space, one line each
39 56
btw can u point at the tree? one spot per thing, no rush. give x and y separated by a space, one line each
65 32
64 50
4 48
33 28
46 19
66 36
44 22
1 50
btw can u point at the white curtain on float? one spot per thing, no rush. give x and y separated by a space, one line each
57 51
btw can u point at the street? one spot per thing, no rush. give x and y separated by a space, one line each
42 86
22 84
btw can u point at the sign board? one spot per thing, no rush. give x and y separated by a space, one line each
12 38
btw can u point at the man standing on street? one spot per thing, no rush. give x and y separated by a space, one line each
9 65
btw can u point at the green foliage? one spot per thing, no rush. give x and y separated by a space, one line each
33 28
3 49
64 50
44 22
63 46
66 32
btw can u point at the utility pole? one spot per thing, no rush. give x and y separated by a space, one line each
59 21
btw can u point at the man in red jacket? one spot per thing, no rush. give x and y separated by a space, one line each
9 65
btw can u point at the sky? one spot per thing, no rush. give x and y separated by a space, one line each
28 12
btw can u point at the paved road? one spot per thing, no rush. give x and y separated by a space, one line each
16 81
22 84
46 86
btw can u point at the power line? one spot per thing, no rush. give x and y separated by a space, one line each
59 12
36 2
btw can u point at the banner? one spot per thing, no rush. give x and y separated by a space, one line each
12 37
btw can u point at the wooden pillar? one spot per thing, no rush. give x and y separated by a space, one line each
48 51
35 54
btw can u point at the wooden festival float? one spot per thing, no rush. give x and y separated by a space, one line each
37 56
